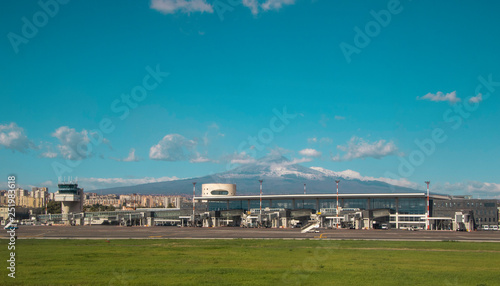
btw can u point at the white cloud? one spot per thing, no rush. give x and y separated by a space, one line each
402 182
48 183
173 147
476 189
298 161
276 4
49 154
326 140
205 139
183 6
131 156
241 158
335 158
324 120
13 137
200 159
278 151
243 161
189 6
310 152
350 174
312 140
253 5
49 150
212 133
74 145
358 148
103 183
268 5
476 99
323 140
338 117
439 96
214 126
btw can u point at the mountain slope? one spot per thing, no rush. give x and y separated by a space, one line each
280 175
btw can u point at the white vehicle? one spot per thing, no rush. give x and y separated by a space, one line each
493 227
485 227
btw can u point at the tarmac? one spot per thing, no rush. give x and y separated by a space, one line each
172 232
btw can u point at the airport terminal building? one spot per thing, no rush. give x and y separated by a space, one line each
358 211
219 205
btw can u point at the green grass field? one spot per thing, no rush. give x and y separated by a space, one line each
251 262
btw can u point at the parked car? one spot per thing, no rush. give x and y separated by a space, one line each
493 227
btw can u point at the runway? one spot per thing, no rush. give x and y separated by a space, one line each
159 232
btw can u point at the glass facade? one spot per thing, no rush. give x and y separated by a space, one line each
217 205
412 206
283 204
237 205
404 205
255 204
305 204
328 204
68 188
355 203
383 204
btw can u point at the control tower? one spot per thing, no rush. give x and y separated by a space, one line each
71 198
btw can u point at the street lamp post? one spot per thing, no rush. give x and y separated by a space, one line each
194 190
337 222
428 212
260 204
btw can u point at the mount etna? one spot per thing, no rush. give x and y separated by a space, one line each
280 175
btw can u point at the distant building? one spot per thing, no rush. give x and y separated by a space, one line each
150 201
37 198
498 204
104 200
40 196
4 214
174 201
484 212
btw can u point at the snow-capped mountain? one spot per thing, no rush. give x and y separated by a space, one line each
280 175
274 167
353 175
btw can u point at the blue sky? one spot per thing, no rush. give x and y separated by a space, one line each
125 92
